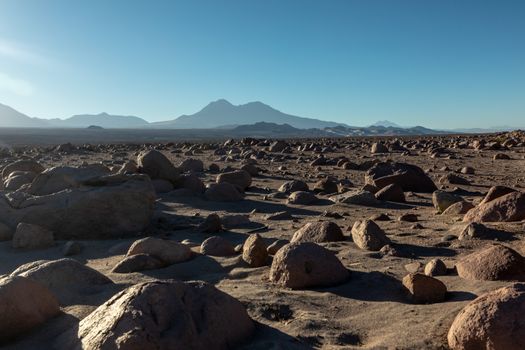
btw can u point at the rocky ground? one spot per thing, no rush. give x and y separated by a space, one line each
373 243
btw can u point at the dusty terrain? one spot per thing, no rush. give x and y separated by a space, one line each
371 310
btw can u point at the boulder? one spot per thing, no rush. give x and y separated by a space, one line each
304 264
223 192
474 230
368 235
254 251
409 177
63 177
163 315
378 148
277 146
496 192
492 263
302 198
72 248
29 236
192 165
107 207
424 289
435 267
66 278
318 232
6 233
169 252
138 262
275 246
22 165
18 179
442 200
239 178
157 166
453 179
192 183
358 197
293 186
24 305
458 208
326 186
211 224
251 169
509 207
492 321
217 246
391 193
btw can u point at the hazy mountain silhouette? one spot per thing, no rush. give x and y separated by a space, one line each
222 112
253 118
103 119
11 118
386 124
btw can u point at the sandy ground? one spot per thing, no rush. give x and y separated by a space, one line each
370 311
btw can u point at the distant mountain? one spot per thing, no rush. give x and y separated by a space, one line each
386 124
10 118
272 130
103 120
382 131
221 112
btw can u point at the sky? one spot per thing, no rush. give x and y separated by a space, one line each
441 64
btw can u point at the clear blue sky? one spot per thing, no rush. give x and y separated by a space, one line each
446 63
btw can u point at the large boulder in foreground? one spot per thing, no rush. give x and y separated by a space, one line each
157 166
492 263
24 304
318 232
303 265
409 177
163 315
506 208
107 207
492 321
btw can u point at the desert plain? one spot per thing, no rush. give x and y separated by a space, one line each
89 230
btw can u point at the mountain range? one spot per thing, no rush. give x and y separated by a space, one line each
217 114
221 114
